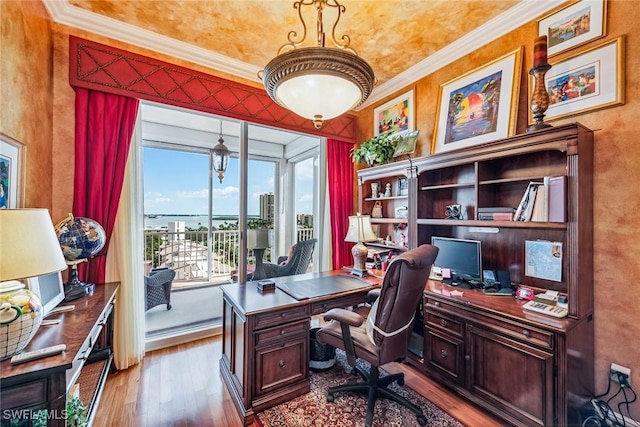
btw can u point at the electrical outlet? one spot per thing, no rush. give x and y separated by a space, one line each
617 369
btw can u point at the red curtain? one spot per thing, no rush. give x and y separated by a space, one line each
340 173
104 128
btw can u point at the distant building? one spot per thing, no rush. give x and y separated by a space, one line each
305 220
267 206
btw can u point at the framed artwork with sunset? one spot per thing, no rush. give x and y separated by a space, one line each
479 106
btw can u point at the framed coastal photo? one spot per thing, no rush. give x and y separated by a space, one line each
394 116
590 80
11 170
479 106
574 25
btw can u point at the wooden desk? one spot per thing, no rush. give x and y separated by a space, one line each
265 344
44 383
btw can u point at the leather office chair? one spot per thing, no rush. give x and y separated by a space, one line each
158 287
381 334
297 264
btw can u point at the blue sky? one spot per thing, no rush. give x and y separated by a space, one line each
176 182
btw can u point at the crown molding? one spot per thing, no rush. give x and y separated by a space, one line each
527 10
64 13
522 13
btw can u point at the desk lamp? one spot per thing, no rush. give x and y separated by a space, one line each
28 247
360 231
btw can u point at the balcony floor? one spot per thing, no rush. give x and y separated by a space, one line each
191 306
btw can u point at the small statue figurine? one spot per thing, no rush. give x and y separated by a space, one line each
387 190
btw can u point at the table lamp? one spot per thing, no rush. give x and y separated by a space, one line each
360 231
28 247
258 242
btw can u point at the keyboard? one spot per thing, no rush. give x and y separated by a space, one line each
551 310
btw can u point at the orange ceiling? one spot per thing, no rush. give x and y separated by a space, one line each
392 35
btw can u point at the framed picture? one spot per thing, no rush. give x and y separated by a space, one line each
590 80
479 106
11 169
574 25
395 116
403 186
407 143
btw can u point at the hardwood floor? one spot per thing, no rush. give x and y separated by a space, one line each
181 386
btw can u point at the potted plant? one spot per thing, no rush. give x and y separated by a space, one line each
376 150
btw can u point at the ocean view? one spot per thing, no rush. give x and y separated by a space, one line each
190 221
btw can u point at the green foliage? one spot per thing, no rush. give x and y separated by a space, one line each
76 413
377 150
152 249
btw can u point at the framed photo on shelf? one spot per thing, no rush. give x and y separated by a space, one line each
479 106
403 186
11 170
394 116
590 80
574 25
407 143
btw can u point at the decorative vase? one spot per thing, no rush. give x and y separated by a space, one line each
374 190
539 97
20 317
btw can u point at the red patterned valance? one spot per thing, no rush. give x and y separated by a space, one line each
108 69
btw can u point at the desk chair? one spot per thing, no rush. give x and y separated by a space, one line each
157 287
381 334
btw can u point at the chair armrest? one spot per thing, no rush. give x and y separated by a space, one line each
344 316
372 295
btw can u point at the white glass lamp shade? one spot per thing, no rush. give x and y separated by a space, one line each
360 229
28 244
318 95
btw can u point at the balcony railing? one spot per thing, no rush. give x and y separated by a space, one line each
187 253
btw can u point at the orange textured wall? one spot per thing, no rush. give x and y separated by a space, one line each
25 89
616 176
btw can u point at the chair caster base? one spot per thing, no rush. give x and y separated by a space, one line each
422 420
168 306
330 398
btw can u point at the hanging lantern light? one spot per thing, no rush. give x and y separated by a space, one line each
221 156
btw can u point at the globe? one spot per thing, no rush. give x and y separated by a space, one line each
80 238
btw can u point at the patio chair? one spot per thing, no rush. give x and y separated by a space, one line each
158 287
296 263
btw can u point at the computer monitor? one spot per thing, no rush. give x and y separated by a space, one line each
462 257
49 288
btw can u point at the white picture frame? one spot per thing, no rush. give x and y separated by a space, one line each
574 25
11 172
603 68
394 116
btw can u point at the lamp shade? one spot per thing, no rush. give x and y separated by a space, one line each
360 229
258 239
28 244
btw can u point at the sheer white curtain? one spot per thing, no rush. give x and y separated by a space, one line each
125 265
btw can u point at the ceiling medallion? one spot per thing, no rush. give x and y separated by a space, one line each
318 82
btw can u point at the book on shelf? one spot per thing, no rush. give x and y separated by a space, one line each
544 201
525 208
496 214
557 199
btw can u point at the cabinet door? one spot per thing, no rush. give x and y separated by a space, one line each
279 365
444 355
515 377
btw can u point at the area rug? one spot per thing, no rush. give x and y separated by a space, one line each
349 409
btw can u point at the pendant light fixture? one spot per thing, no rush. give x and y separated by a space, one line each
318 82
221 156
